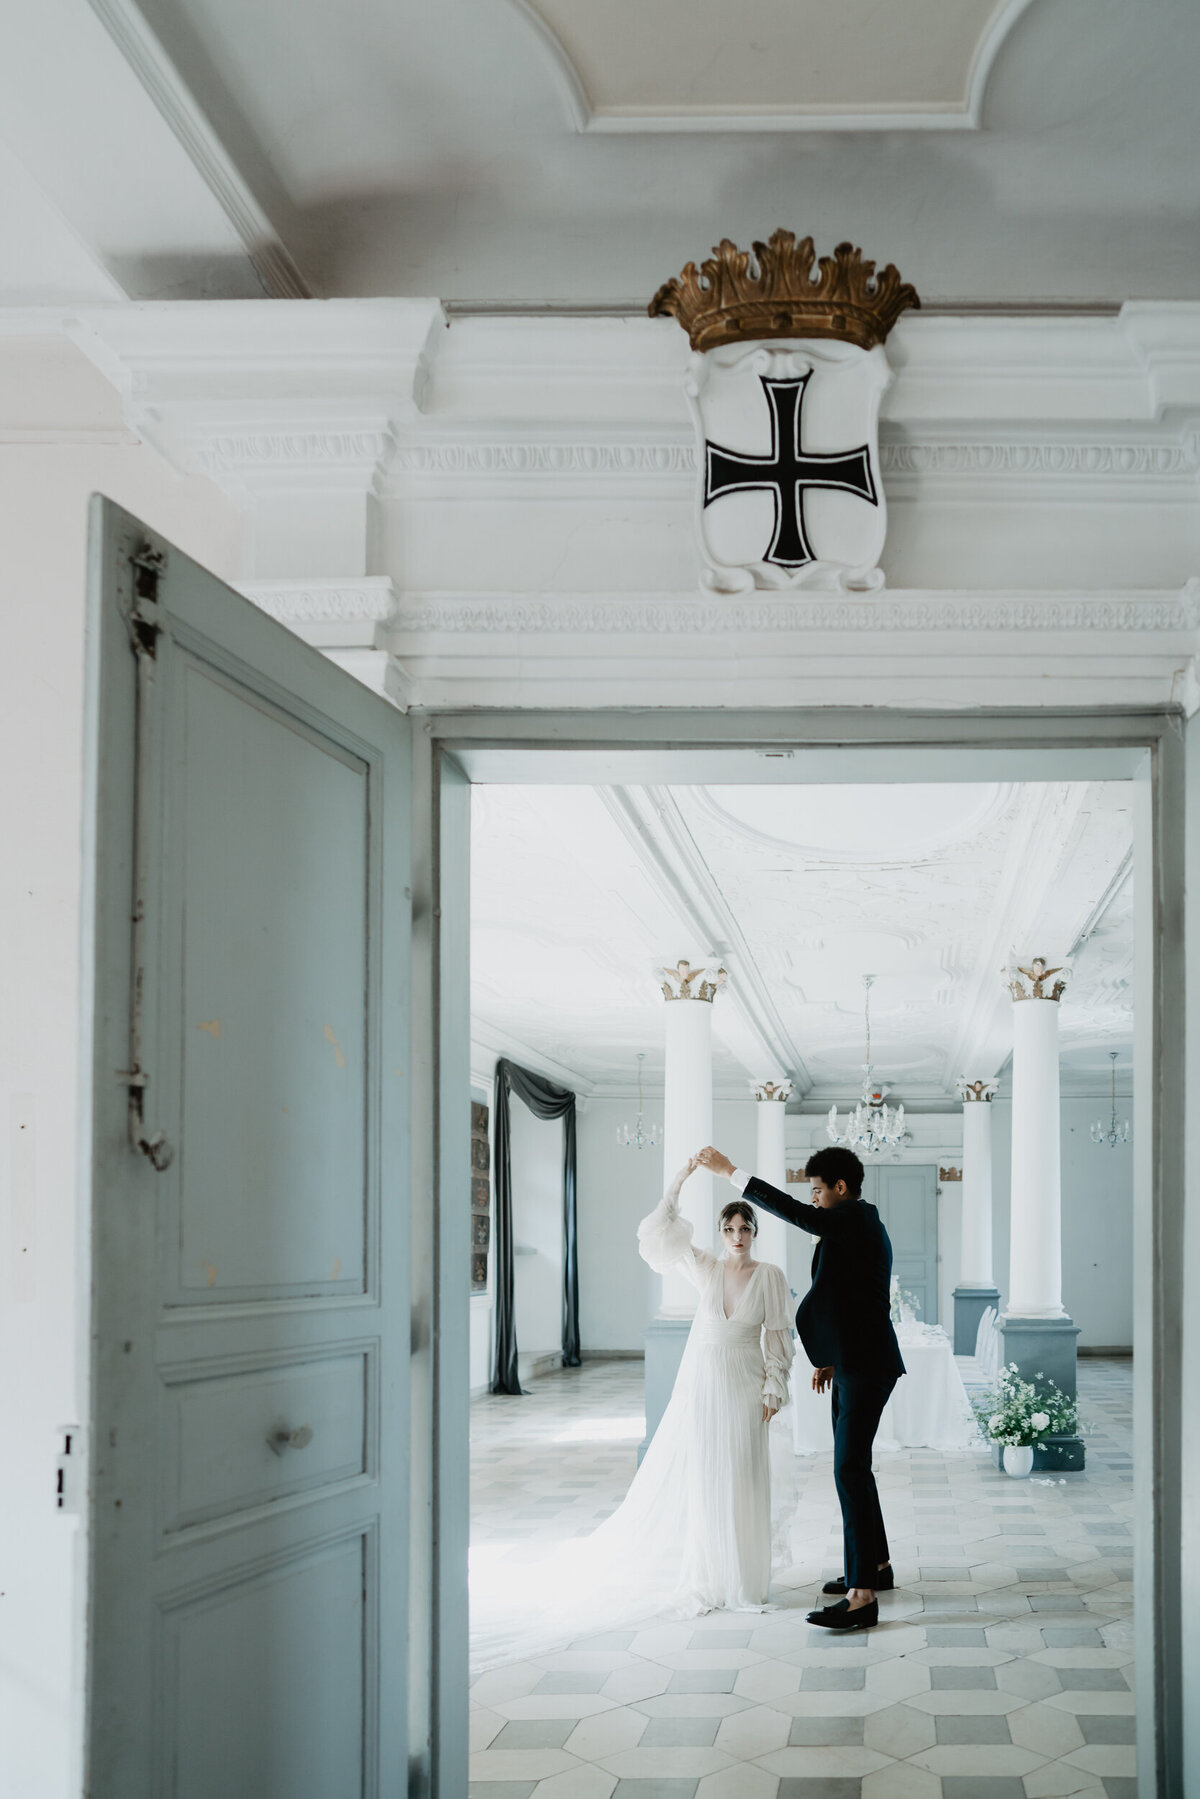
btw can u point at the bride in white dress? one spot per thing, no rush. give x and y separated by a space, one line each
693 1533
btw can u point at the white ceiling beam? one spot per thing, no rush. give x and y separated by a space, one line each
651 822
489 1045
178 106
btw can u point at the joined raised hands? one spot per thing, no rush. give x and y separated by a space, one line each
713 1159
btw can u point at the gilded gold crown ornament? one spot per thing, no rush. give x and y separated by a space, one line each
681 979
1029 983
738 297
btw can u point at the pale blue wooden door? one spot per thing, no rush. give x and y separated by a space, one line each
907 1200
250 804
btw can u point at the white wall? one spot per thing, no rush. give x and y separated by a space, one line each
44 488
537 1196
618 1295
1097 1219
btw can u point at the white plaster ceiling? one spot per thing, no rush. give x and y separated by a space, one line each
579 894
679 59
193 148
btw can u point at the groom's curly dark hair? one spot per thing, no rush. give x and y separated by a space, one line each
834 1165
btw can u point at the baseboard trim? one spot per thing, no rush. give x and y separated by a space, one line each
1114 1351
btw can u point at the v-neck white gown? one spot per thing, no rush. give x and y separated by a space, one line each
693 1533
707 1467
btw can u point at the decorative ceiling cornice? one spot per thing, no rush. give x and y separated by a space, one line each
370 600
1041 466
241 452
645 615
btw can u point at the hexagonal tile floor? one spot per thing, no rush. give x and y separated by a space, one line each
1002 1667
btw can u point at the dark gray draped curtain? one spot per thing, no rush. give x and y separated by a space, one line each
544 1100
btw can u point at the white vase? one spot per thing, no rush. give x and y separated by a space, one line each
1018 1460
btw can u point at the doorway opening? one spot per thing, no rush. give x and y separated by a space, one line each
1001 786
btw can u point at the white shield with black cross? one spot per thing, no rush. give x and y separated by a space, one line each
788 438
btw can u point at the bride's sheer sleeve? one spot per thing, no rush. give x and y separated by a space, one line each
777 1346
665 1239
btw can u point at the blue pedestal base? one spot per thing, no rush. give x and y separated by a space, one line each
1045 1347
1041 1346
665 1340
970 1303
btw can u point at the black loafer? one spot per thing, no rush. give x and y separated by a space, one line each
840 1617
885 1580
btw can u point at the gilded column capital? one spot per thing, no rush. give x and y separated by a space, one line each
1031 982
772 1090
979 1092
685 982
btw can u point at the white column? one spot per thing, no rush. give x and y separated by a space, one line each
1035 1261
975 1266
687 1111
770 1164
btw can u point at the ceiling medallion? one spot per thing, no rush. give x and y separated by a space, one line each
872 1127
784 387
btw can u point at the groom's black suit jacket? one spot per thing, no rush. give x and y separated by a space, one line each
845 1318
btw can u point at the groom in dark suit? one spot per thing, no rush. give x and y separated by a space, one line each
845 1325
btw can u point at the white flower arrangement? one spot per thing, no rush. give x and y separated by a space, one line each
1017 1412
905 1305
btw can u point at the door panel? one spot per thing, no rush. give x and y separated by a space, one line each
218 1461
271 857
249 803
280 1657
906 1196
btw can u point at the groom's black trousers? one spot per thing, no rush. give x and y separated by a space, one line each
858 1401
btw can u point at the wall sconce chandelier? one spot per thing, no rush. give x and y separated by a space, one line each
1111 1135
872 1127
638 1136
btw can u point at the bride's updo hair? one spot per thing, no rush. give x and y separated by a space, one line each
738 1208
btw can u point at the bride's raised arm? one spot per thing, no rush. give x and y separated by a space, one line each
665 1239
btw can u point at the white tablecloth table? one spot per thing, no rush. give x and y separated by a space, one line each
928 1409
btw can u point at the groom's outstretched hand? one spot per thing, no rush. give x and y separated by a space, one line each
712 1158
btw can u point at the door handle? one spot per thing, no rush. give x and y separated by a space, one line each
281 1438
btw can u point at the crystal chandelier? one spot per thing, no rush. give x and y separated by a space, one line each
873 1126
639 1137
1113 1135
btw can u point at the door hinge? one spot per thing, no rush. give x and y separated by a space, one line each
145 617
70 1471
145 627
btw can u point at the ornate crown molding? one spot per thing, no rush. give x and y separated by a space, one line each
1029 983
244 451
371 600
738 298
778 1091
681 979
976 1092
1056 460
1053 458
640 616
532 458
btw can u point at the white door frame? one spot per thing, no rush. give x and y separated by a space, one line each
830 745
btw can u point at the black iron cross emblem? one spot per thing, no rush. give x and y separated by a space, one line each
787 472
